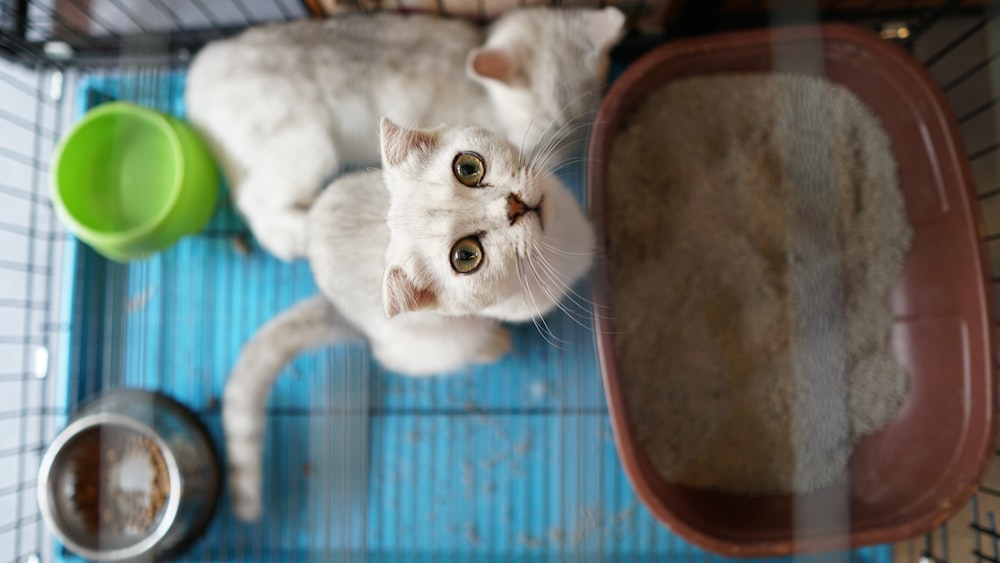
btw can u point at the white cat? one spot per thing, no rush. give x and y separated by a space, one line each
286 106
422 259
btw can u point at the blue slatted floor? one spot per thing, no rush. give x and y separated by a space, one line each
513 461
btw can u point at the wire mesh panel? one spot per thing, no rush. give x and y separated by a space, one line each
32 321
961 53
515 461
110 30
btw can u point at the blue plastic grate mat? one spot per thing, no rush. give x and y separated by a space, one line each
510 462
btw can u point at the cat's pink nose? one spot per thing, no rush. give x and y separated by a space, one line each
516 208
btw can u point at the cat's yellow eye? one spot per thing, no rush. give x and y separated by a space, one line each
469 169
467 255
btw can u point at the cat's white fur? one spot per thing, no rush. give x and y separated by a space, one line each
285 106
380 246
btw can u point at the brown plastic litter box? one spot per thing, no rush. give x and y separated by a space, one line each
927 461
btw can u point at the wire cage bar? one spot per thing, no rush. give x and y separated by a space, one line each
64 56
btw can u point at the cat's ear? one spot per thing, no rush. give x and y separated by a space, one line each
401 294
494 63
603 28
399 143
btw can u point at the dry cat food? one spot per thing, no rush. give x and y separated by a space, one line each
756 227
121 482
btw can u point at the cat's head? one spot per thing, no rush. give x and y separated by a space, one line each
473 230
545 68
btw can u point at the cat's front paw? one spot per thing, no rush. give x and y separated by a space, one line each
288 245
496 346
282 232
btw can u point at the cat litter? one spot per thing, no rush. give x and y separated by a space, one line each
757 400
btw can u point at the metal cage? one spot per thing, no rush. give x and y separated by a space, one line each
66 312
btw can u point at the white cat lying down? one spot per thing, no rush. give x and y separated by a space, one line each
421 259
286 106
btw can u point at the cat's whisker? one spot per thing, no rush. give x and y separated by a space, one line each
581 319
564 285
548 293
561 142
591 326
549 164
584 314
577 319
588 308
584 305
582 159
539 160
556 242
547 333
537 319
563 108
561 252
554 296
562 132
568 163
553 166
525 291
524 139
553 138
585 119
555 250
542 160
545 133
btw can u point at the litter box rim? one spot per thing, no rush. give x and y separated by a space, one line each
613 110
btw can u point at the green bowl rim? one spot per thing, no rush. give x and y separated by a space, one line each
163 124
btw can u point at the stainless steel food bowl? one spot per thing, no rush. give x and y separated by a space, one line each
133 475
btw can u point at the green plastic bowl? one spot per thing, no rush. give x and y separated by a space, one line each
130 181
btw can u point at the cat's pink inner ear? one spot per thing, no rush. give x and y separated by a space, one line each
604 28
398 142
493 63
400 294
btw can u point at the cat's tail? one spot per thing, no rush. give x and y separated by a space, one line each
307 324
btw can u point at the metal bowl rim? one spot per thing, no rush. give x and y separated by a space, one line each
46 500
